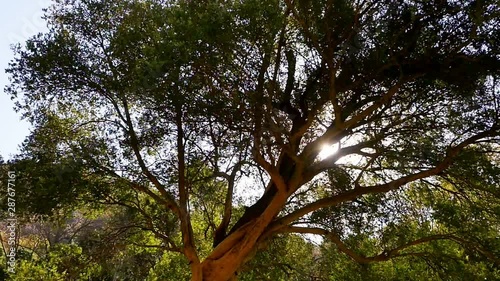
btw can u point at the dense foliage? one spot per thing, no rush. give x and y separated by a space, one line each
211 138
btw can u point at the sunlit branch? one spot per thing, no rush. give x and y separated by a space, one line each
382 188
229 242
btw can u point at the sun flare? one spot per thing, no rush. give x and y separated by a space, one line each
328 150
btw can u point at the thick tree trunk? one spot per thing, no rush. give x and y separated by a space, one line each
241 241
213 272
230 254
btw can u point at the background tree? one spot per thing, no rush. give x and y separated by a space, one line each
174 103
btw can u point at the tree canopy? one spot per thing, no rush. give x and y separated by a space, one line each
181 112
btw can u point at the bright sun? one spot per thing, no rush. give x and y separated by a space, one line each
328 150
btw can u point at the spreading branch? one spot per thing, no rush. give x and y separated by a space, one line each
359 191
391 253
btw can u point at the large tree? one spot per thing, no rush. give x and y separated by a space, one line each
190 103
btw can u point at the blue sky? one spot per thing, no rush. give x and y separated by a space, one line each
19 20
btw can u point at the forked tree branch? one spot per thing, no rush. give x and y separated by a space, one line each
313 148
220 232
134 144
359 191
